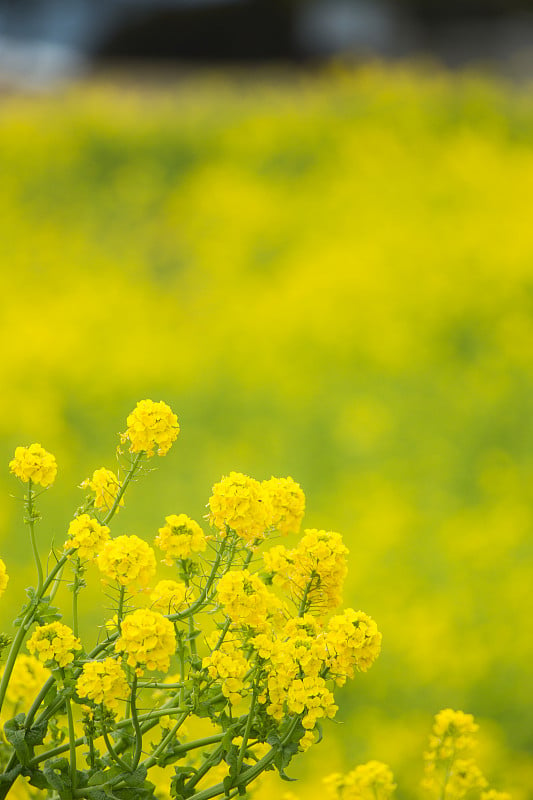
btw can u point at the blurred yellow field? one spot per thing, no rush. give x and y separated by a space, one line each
327 276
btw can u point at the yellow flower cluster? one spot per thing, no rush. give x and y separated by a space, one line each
240 503
87 536
103 682
313 572
453 732
370 781
34 463
26 679
105 485
295 659
169 597
288 504
180 538
148 639
128 560
150 426
54 642
4 577
246 600
449 770
227 665
353 642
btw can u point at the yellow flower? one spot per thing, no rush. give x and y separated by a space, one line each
313 572
246 599
34 463
242 504
353 642
54 643
4 577
448 758
288 503
170 597
105 484
86 536
228 665
179 538
26 679
128 560
148 639
371 781
103 682
151 425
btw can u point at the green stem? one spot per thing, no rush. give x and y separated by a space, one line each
197 605
210 761
251 773
75 591
303 605
151 760
111 750
120 494
71 740
30 521
136 725
246 735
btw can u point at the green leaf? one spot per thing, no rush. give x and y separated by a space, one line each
136 778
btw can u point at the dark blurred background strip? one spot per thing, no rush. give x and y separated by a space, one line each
44 39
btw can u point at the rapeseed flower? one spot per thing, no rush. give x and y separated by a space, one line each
448 763
103 682
241 504
54 644
148 639
34 463
371 781
288 504
105 485
245 599
150 426
87 536
313 572
169 596
228 665
181 537
353 642
128 560
28 675
4 577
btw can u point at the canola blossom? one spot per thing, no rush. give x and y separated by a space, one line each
28 676
180 537
128 560
105 485
148 639
150 426
223 672
4 577
169 596
288 503
103 682
240 503
87 537
34 463
54 644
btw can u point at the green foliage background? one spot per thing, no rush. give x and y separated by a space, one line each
326 276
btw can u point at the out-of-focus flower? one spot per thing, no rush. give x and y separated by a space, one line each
105 485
